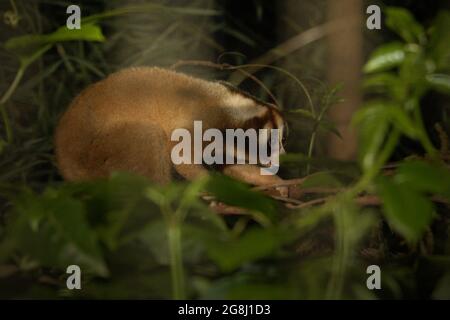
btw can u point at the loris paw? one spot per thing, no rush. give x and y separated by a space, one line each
283 191
295 192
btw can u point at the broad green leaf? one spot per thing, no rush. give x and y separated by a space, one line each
68 216
402 22
293 158
384 80
408 211
88 32
439 82
322 179
413 72
30 47
425 177
53 230
235 193
440 40
373 122
402 121
202 212
385 57
254 244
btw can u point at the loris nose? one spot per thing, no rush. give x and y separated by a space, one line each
282 150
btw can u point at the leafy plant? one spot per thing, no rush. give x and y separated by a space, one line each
400 73
133 239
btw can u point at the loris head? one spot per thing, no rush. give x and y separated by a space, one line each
248 112
251 112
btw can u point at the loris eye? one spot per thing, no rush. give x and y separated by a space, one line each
283 140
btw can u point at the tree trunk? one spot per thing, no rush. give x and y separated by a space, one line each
344 66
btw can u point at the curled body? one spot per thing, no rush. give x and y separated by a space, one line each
125 121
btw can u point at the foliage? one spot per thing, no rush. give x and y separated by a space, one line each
400 72
134 239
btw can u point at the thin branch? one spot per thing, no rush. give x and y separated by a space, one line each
290 182
293 44
226 66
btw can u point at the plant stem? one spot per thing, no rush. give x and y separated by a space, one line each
342 256
312 141
6 123
176 261
383 157
5 98
423 136
14 7
13 85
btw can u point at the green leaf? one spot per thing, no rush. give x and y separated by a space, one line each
439 82
402 121
322 179
322 123
191 194
408 211
88 32
440 40
69 219
30 47
293 158
53 230
235 193
413 72
402 22
386 83
425 177
373 123
385 57
329 127
384 80
252 245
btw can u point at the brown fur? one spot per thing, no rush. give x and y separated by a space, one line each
125 121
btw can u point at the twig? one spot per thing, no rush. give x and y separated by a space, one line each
292 45
226 66
321 190
366 200
285 183
287 200
224 209
311 203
